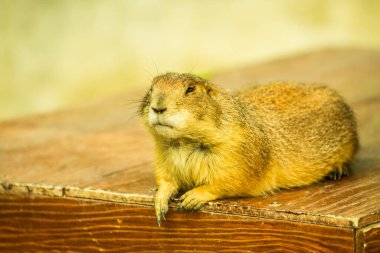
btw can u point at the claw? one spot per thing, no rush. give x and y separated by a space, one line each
199 206
346 170
187 203
161 211
160 217
338 172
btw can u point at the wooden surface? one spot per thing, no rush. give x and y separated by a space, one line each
89 226
101 152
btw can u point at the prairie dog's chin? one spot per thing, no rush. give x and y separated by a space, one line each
165 131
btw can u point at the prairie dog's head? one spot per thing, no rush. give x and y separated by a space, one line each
180 105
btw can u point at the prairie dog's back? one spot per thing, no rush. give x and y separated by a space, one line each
310 127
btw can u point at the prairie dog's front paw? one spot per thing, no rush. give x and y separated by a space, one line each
161 201
196 198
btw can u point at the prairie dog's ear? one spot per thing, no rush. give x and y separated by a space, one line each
211 89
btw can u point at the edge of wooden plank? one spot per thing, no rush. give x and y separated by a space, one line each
73 192
362 244
148 200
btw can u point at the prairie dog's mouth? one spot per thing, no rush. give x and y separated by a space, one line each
164 129
159 124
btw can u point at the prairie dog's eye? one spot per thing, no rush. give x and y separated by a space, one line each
190 89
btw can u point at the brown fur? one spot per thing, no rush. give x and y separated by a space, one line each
211 144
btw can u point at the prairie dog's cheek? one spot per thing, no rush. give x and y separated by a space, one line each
179 119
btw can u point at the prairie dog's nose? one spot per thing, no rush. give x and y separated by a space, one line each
159 110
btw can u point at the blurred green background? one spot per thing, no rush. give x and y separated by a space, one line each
58 53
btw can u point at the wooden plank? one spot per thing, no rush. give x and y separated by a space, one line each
368 239
101 151
29 223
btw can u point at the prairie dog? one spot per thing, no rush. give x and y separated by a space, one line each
211 144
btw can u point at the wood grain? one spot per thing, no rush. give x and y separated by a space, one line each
31 224
368 239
